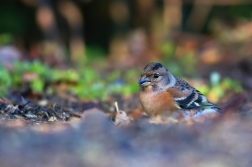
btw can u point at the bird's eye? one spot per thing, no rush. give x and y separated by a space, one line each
156 75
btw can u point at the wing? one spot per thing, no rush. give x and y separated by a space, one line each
183 97
187 97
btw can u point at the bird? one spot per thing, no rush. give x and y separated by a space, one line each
167 98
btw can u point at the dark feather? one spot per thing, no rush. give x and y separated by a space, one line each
156 66
200 103
185 102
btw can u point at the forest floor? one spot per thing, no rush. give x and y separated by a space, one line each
62 129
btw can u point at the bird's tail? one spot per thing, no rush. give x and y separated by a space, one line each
208 104
204 103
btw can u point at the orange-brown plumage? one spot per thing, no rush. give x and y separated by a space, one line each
163 94
158 103
175 93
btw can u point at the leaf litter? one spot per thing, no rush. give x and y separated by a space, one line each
64 130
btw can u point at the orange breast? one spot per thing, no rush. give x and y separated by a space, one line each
158 103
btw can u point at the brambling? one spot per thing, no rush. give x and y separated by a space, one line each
165 97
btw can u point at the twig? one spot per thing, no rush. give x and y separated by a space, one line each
116 106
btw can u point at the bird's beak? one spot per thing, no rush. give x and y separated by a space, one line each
144 81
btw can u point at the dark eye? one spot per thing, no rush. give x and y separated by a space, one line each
156 75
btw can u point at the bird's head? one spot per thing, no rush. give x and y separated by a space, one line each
155 76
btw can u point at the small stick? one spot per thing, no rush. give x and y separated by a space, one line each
116 106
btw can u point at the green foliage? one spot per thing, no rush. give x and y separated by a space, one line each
219 86
37 84
168 49
5 38
89 83
5 80
93 85
37 71
93 52
65 75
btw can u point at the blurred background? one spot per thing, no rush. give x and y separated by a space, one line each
63 64
204 39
